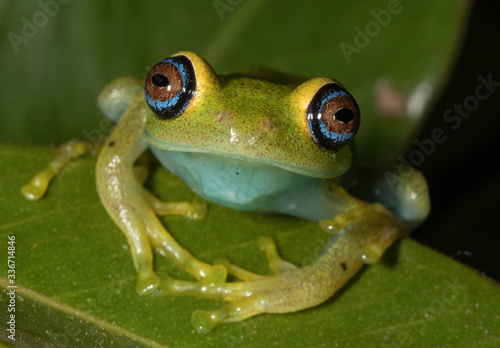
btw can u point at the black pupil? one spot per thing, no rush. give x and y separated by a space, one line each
160 80
344 115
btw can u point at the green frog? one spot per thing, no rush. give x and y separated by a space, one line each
280 144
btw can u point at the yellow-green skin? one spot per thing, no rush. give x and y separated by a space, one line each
248 121
251 119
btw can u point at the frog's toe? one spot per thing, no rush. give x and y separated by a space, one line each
36 188
336 224
370 255
361 213
276 263
237 271
204 321
193 211
147 283
216 275
197 211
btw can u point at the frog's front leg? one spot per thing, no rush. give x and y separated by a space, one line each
130 206
74 149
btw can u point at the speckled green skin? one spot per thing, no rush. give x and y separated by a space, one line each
250 119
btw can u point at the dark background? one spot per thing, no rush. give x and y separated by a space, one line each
463 172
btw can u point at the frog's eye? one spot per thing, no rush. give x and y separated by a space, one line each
333 117
169 87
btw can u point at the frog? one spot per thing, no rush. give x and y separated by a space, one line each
283 144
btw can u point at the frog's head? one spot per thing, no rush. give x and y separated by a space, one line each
304 129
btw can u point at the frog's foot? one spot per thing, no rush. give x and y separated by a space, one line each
244 303
341 220
365 235
375 214
38 185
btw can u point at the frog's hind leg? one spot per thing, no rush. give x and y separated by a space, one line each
362 238
68 152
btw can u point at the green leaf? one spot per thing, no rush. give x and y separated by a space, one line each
75 279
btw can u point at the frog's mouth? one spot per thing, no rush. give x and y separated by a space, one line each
337 165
